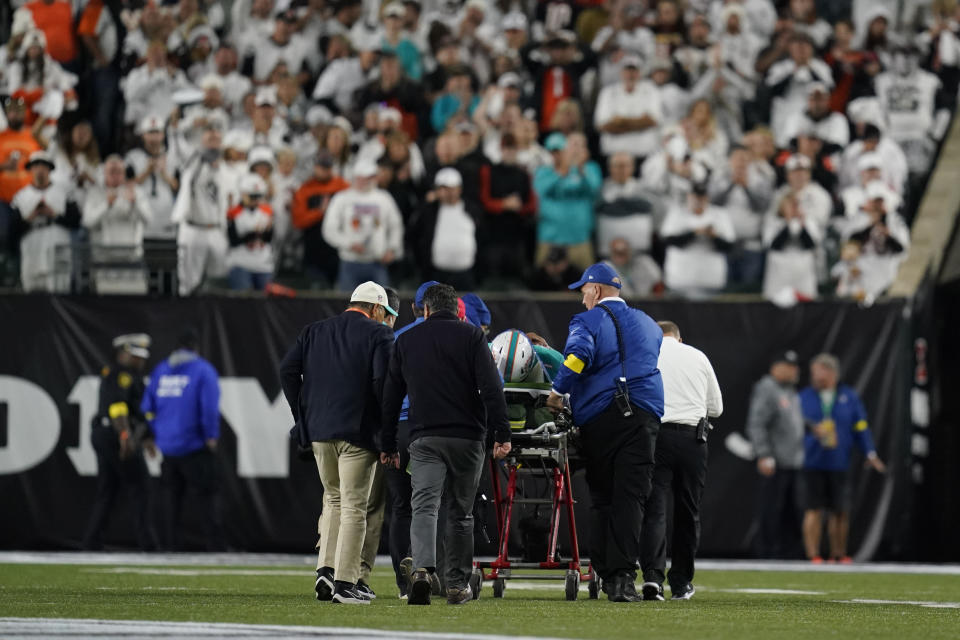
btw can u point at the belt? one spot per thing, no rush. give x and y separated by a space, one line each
673 426
202 226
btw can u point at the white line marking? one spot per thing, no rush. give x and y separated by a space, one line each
915 603
17 628
150 571
775 592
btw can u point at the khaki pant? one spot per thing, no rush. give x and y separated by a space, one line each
346 472
580 255
376 503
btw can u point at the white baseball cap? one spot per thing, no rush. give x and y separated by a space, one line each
448 177
372 293
798 161
151 123
869 160
252 184
514 21
876 190
390 114
394 10
365 168
261 155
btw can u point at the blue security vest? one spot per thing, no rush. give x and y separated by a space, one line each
405 408
182 403
850 422
592 361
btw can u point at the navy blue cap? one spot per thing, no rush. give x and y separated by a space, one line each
599 273
477 312
418 300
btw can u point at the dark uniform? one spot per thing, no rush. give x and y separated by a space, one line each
121 389
617 403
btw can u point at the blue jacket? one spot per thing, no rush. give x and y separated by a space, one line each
566 203
333 378
592 362
850 422
182 403
405 407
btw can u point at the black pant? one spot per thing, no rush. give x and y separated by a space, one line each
113 475
196 471
619 457
681 469
781 515
401 512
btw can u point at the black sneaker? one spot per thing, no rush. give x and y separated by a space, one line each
683 593
420 589
346 593
652 591
435 587
324 585
459 595
623 590
364 589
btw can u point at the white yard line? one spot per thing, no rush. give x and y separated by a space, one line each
915 603
70 629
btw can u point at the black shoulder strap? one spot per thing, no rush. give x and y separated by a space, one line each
616 325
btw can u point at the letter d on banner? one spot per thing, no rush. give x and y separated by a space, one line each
33 425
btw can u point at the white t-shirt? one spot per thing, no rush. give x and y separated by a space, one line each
698 266
369 219
614 101
454 239
908 103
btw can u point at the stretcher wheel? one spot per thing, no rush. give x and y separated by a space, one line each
498 586
476 583
572 585
593 587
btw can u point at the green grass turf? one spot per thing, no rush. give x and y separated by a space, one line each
95 592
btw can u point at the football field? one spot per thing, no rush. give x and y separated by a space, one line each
78 595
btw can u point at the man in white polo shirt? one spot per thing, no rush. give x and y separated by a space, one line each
628 113
691 395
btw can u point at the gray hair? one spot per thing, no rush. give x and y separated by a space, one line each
440 297
827 360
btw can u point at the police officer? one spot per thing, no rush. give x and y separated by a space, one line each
182 403
118 430
691 395
616 394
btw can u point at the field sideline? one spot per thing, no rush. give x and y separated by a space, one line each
770 600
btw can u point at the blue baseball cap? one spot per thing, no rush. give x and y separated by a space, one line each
556 141
477 312
599 273
418 300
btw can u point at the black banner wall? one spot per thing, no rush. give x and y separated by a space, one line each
51 350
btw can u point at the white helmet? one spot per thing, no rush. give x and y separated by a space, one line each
513 352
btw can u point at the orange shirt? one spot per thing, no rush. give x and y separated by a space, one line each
308 207
56 22
21 142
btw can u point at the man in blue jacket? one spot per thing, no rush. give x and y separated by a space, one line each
333 380
616 395
836 420
182 405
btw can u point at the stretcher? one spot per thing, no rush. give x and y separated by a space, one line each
541 452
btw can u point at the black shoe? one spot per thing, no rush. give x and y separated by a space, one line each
652 591
364 589
346 593
623 590
421 588
457 595
324 585
683 593
435 587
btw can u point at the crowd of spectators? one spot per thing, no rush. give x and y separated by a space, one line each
700 146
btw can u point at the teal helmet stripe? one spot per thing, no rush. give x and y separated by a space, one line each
511 354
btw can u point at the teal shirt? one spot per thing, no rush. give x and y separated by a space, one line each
409 57
566 203
551 359
445 107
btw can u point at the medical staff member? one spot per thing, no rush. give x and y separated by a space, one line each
836 420
691 395
616 394
182 404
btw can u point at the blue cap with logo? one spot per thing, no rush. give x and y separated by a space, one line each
477 312
599 273
418 300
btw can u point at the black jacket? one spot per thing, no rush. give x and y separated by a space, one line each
422 229
445 366
333 378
